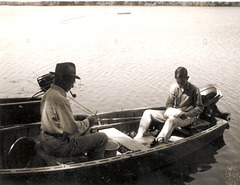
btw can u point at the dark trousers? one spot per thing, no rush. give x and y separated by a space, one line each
93 144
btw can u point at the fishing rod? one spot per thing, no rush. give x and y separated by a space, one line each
46 85
118 119
86 109
46 80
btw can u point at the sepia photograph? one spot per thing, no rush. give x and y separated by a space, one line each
119 92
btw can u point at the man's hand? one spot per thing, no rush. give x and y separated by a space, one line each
182 115
93 120
80 117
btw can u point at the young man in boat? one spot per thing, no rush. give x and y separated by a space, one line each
183 105
61 134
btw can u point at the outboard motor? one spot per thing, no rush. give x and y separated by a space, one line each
210 96
45 81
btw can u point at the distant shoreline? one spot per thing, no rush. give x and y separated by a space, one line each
119 3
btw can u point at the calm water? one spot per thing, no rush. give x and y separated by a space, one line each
127 61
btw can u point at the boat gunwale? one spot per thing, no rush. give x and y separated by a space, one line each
18 126
22 102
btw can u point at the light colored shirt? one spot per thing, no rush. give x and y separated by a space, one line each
56 113
188 99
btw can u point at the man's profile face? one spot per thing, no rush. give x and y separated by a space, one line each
69 83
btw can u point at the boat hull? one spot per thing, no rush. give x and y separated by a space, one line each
120 166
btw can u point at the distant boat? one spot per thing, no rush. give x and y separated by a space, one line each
123 13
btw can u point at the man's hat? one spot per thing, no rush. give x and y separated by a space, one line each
66 68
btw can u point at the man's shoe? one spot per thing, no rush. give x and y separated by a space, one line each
158 140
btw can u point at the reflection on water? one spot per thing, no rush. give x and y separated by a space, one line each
200 161
180 172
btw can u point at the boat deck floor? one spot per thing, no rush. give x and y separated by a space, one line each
133 145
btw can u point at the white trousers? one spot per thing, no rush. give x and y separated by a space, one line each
169 125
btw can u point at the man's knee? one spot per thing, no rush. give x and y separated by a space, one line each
173 122
103 137
147 113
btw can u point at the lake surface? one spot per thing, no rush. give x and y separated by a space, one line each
127 61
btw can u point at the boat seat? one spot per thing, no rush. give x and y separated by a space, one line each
21 152
53 160
197 125
123 139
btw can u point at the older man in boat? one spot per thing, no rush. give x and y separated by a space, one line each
61 134
183 105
